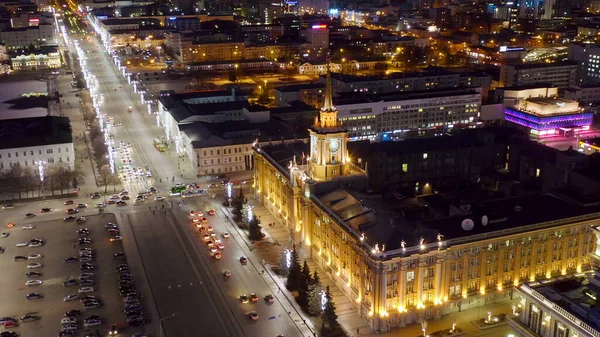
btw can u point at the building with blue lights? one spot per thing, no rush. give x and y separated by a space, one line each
547 117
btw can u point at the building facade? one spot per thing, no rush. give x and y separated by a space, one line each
25 37
561 74
395 278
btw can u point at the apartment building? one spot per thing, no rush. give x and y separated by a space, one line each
561 74
14 38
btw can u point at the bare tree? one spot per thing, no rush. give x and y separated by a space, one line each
107 177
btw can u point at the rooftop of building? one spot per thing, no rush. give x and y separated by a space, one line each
299 87
237 132
129 21
528 87
23 29
577 294
23 99
346 98
170 100
393 76
545 65
36 131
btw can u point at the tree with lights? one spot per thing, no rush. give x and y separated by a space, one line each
315 305
282 264
238 204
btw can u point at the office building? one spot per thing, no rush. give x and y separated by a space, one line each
317 36
561 74
587 57
18 38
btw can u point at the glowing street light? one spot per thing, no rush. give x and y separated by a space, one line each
41 172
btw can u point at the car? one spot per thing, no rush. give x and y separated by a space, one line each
225 235
209 228
69 218
86 276
20 258
211 212
1 250
116 238
100 205
73 313
121 203
68 320
91 323
204 220
46 210
152 190
81 219
33 274
34 265
159 198
85 243
91 305
217 256
34 296
35 244
85 259
135 321
69 202
89 298
7 319
205 237
84 290
195 220
201 228
253 297
72 211
34 256
83 231
71 259
10 325
192 213
86 267
122 266
269 299
119 256
227 273
243 260
82 205
113 230
244 299
70 282
125 197
69 327
113 330
65 333
110 225
87 282
96 196
220 246
8 206
30 215
4 235
71 297
30 226
253 316
29 318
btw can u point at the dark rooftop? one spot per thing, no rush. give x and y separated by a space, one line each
298 87
36 131
545 65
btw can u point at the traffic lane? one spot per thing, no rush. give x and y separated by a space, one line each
173 282
245 279
17 214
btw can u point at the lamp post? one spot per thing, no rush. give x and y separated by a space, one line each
160 323
41 171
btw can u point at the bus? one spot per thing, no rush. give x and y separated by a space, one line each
159 145
177 189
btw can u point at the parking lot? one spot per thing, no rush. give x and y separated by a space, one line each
60 242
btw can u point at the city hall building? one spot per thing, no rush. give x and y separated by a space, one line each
397 271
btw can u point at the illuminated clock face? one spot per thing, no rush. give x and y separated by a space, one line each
334 146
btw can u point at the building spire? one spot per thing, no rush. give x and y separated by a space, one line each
328 105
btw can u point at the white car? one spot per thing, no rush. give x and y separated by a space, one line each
159 198
34 256
35 244
34 265
83 290
100 205
4 235
30 283
71 297
225 234
22 244
68 320
30 226
85 259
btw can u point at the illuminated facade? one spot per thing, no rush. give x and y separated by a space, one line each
418 276
543 117
35 61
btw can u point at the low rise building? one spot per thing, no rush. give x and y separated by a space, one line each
20 38
30 141
545 117
47 57
311 94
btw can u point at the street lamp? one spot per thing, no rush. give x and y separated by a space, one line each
160 323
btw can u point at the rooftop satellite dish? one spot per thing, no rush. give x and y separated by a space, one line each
484 220
467 224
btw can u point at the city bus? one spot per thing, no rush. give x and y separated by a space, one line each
159 145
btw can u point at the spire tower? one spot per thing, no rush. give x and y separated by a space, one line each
327 118
328 106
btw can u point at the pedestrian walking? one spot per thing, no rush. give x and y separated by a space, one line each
263 272
149 208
